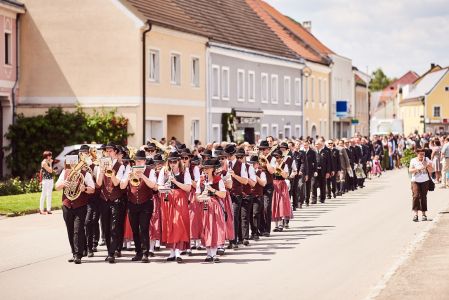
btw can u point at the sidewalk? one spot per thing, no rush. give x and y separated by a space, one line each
425 274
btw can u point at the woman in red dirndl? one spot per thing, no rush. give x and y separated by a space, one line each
280 207
174 207
156 222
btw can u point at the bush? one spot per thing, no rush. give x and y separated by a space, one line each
15 186
407 157
30 136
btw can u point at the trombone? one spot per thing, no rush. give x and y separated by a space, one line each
263 159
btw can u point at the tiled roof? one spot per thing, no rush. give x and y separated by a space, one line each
292 33
13 3
427 83
391 90
166 13
235 23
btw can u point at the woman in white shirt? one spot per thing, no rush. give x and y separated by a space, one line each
420 168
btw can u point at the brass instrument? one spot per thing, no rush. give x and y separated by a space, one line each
134 180
204 196
263 160
105 163
165 149
73 190
280 168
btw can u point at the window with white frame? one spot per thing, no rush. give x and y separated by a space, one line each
306 132
215 84
274 130
306 89
264 88
325 91
264 131
287 90
251 86
312 89
175 74
287 131
225 83
298 131
216 136
437 111
297 91
196 72
153 70
194 131
240 85
274 89
319 91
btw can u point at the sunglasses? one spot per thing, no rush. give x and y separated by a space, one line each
222 158
185 158
150 150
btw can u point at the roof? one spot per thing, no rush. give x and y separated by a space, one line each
235 23
391 90
13 3
292 33
167 13
426 84
359 80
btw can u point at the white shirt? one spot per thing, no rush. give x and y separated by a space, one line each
252 173
88 181
196 173
221 186
161 179
420 176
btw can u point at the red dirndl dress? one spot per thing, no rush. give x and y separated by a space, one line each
128 232
214 225
155 222
227 203
280 206
175 220
196 216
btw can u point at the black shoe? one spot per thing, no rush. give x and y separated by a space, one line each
145 259
209 259
321 201
90 254
183 252
151 254
256 238
220 251
424 218
173 258
71 259
106 258
276 229
266 234
328 196
294 208
118 254
77 261
235 246
193 248
415 218
137 257
179 260
229 246
216 260
157 248
335 196
94 249
286 226
111 259
200 248
246 242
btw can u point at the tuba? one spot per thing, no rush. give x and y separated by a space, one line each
75 179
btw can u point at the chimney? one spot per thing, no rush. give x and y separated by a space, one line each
307 25
432 65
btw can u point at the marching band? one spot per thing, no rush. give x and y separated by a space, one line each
215 198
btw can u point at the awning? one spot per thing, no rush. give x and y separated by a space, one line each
247 113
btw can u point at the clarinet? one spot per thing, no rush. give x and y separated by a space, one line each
206 192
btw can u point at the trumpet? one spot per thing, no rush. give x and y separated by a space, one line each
135 180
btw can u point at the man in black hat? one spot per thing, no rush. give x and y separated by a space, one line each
322 172
265 220
140 204
112 204
239 175
247 200
257 197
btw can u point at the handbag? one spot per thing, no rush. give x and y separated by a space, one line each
431 183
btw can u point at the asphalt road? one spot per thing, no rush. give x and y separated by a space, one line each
347 248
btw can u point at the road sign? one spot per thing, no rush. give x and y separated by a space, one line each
341 108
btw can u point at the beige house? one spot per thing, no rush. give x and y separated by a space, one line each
90 53
361 111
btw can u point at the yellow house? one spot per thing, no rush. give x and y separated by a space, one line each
116 54
437 103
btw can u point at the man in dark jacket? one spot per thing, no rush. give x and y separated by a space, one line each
299 180
335 168
322 172
311 169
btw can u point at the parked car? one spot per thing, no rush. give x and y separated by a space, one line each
58 163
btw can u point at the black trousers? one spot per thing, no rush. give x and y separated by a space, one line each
237 208
265 221
319 182
256 215
92 223
246 215
121 225
331 183
139 219
74 219
294 191
110 215
300 191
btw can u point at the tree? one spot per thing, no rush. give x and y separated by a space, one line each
379 81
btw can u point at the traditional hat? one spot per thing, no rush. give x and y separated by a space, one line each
253 159
207 153
277 153
240 152
149 161
264 144
111 145
283 145
140 155
84 148
151 146
211 163
158 159
174 156
230 149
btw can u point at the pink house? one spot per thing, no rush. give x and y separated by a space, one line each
10 11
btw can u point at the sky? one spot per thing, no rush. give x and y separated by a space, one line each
396 35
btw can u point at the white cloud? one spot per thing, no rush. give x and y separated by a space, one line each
397 35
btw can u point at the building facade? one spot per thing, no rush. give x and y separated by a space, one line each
361 115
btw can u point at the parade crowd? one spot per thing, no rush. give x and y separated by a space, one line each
221 196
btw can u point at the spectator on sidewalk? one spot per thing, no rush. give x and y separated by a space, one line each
47 181
420 168
445 161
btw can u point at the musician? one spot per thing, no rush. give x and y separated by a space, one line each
281 208
257 197
112 204
140 204
322 172
311 170
239 175
299 180
247 199
335 169
212 187
156 222
150 150
74 211
265 222
174 208
292 171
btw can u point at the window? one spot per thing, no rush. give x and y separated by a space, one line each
194 131
306 88
437 111
8 49
274 89
298 133
251 86
275 130
297 91
225 83
175 74
154 129
325 128
319 91
215 82
446 88
287 90
216 137
287 131
264 87
154 66
195 72
240 85
264 131
325 91
312 89
306 133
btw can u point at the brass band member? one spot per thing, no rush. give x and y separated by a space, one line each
80 184
257 197
140 184
156 221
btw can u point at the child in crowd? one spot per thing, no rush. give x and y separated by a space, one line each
376 169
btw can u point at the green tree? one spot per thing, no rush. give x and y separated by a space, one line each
379 81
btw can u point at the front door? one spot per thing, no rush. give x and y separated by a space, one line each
249 135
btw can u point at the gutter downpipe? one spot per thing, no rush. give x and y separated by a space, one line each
13 91
144 74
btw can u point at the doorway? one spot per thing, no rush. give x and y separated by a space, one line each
175 127
249 135
313 132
